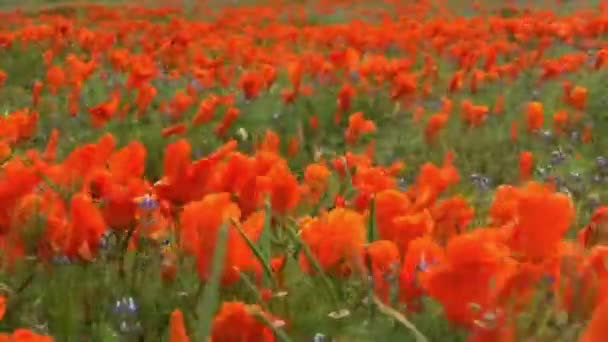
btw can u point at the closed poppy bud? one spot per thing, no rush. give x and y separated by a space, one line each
534 116
168 268
2 306
294 145
177 330
340 202
525 165
578 97
314 122
266 294
514 131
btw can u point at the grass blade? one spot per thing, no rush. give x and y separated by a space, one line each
350 188
390 312
210 295
279 333
265 243
257 253
315 265
253 289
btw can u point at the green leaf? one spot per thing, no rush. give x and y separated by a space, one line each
396 315
372 234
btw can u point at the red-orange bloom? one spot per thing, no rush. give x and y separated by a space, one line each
451 217
421 253
24 335
229 118
358 125
2 307
237 314
384 258
578 97
200 224
101 114
542 219
472 261
176 129
85 228
434 125
534 116
596 328
335 238
316 177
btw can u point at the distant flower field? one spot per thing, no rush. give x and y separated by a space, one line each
326 170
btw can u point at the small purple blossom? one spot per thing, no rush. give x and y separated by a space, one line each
147 202
126 306
557 157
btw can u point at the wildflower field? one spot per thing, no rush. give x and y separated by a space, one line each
327 170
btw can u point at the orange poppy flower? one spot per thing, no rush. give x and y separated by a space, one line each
206 110
284 188
316 178
471 261
499 104
85 228
2 307
560 121
578 97
251 84
55 78
24 335
434 125
144 97
421 254
2 77
534 235
271 142
236 314
230 117
596 232
358 125
514 131
200 224
385 260
587 134
104 112
179 104
451 216
433 180
595 331
335 238
534 116
345 95
293 146
176 129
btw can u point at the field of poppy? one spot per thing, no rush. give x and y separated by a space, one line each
328 170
